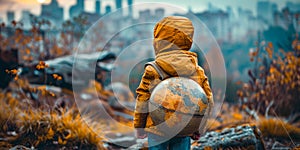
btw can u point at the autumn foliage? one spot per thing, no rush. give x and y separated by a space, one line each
274 83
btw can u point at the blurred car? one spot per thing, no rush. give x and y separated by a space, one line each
61 71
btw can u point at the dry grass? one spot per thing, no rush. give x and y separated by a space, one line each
45 130
8 114
272 128
277 128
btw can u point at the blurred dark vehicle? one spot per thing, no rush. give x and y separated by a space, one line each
59 71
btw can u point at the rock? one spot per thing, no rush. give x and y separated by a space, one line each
19 147
121 142
141 144
243 136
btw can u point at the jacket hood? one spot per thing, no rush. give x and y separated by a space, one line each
173 32
173 38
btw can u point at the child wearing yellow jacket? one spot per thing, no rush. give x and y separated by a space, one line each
173 37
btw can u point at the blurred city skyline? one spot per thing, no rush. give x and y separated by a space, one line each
34 6
236 26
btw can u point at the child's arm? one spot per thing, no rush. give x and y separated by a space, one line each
205 85
143 95
207 90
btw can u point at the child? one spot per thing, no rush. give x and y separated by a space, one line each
173 37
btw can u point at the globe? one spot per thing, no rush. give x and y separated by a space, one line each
178 103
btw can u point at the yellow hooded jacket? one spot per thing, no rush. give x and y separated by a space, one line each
173 37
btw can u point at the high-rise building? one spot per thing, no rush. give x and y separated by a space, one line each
77 9
245 16
130 11
216 21
10 16
98 7
293 7
230 13
145 15
119 6
265 11
107 9
159 13
53 12
80 3
274 7
26 19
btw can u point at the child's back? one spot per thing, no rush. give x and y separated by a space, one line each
173 37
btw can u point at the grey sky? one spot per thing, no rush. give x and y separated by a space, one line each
196 5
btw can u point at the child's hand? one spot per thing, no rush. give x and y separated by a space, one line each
196 136
140 133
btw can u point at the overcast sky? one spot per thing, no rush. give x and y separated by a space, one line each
195 5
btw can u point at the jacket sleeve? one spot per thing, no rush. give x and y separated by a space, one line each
205 85
143 95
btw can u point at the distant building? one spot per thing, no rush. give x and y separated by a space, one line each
278 19
77 9
119 6
130 11
274 7
98 7
244 15
10 16
230 14
145 15
265 10
287 19
159 13
53 13
245 26
217 22
293 7
107 9
26 19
